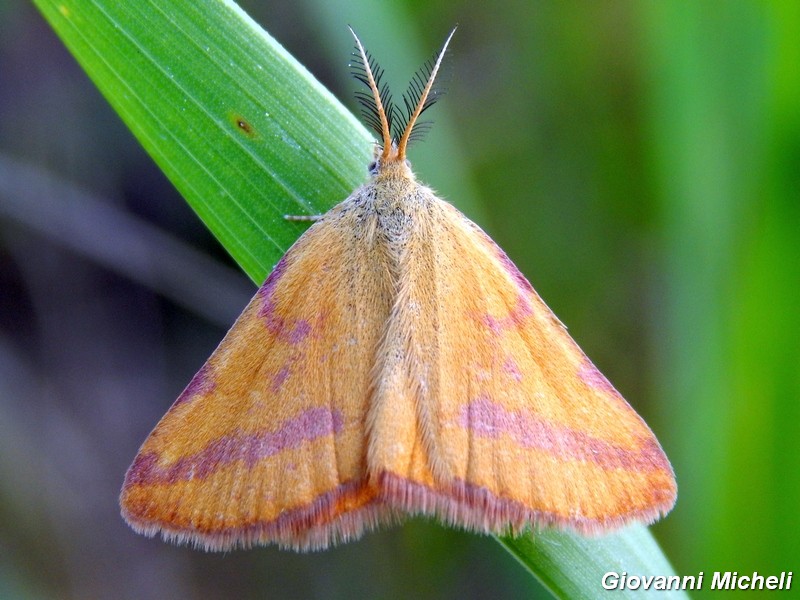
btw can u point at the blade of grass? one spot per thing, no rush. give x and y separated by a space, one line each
571 566
247 135
243 131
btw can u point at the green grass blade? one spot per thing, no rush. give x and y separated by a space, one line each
247 136
183 75
572 566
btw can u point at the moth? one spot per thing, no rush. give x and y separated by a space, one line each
395 362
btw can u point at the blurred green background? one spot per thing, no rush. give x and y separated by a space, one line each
639 161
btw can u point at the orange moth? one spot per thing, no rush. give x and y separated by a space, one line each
395 362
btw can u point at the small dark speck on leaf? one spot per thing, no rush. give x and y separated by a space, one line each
243 125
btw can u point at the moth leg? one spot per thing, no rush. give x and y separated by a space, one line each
312 218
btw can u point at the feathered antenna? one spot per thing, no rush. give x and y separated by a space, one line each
395 127
377 114
420 96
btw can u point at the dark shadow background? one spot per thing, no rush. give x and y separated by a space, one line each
639 161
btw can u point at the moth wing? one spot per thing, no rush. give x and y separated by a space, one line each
489 415
267 443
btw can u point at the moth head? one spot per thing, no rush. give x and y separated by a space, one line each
389 166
